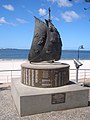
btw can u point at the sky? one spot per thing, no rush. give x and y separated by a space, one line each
71 18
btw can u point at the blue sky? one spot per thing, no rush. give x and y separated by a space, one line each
70 18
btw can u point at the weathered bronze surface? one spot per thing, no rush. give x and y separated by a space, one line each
38 41
46 44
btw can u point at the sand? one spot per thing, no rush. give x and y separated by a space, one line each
9 65
16 64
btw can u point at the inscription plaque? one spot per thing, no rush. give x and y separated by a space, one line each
58 98
45 74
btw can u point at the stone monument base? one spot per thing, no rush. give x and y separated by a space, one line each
33 100
44 74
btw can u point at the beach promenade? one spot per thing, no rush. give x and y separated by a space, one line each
12 69
16 64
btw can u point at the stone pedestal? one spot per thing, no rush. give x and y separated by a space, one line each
40 89
45 74
32 100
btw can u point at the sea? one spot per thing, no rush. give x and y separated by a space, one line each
8 54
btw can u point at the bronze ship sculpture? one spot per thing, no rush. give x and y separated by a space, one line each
46 44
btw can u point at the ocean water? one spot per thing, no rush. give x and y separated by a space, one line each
14 53
23 54
73 54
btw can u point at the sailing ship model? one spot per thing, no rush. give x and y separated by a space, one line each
46 44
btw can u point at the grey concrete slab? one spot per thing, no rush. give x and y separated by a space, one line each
32 100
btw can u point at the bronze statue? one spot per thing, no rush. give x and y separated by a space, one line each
46 44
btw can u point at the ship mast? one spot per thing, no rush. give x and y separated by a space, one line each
49 11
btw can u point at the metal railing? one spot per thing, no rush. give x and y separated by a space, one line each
83 75
8 75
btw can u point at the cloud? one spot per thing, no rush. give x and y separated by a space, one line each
4 21
61 3
64 3
42 11
22 21
69 16
8 7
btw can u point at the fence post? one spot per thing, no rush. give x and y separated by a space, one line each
11 75
84 76
7 78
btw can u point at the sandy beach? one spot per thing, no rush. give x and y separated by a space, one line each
16 64
11 68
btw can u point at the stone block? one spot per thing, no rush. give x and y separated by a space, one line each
33 100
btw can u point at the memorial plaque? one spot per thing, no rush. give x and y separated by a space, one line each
45 74
58 98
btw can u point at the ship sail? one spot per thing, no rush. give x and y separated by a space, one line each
53 45
39 40
46 44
